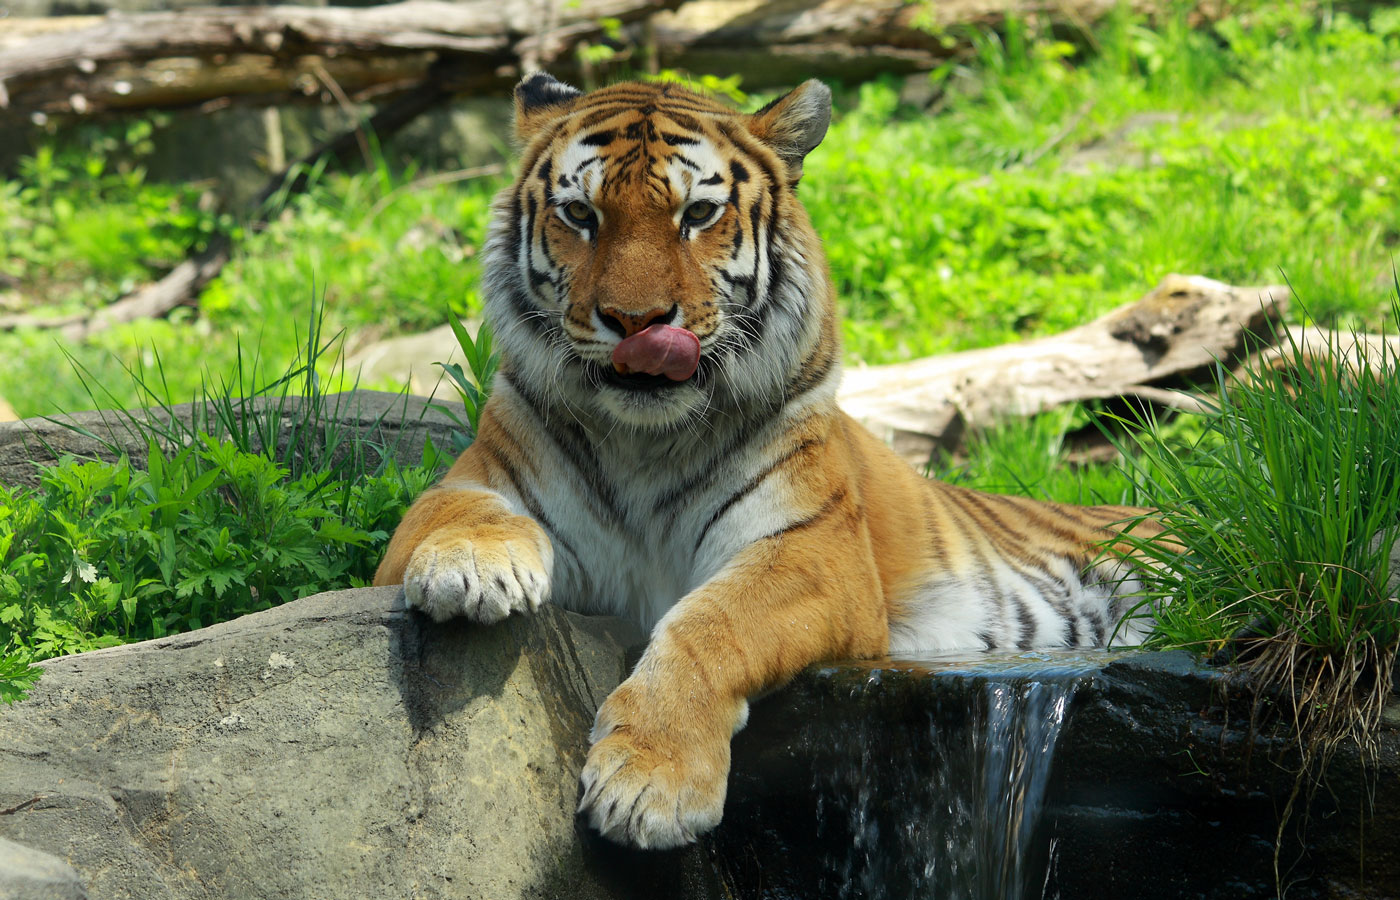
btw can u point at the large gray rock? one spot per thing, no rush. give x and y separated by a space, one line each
29 874
334 747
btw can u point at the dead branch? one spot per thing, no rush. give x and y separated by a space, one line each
1175 333
188 57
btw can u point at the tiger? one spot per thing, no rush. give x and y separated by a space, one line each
662 441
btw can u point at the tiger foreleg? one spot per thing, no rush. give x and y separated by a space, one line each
460 551
657 771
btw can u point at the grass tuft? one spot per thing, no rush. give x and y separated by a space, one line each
1285 515
258 494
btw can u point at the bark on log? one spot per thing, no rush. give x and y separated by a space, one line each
1178 331
1313 347
270 54
782 42
176 59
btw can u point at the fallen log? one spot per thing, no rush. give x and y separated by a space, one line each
1177 332
1311 347
273 54
270 53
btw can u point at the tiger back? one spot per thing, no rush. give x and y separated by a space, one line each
662 441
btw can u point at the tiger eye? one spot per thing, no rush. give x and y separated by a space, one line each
697 212
578 212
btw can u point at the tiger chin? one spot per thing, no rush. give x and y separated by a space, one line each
662 441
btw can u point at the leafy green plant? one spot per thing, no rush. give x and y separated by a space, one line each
254 494
103 553
82 224
482 362
17 678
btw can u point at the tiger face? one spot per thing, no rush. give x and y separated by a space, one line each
651 264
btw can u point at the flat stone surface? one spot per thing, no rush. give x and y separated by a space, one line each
29 874
335 747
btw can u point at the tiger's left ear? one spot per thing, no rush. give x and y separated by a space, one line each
539 100
794 123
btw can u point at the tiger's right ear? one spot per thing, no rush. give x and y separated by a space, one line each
794 124
540 99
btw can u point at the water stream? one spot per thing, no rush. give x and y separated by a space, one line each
962 823
939 794
1087 776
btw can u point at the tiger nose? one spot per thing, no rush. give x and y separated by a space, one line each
627 323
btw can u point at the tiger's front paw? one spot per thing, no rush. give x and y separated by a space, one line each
652 787
483 572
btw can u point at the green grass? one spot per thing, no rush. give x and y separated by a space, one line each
1262 145
1283 516
1236 165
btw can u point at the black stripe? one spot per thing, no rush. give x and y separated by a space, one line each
809 376
1042 513
749 488
827 508
755 221
1100 627
574 446
969 531
535 276
689 123
583 165
777 268
1029 567
525 312
599 138
747 146
513 233
713 466
517 450
679 140
1028 625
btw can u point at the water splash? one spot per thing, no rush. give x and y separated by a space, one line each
948 808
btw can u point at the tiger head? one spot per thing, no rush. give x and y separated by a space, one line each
651 265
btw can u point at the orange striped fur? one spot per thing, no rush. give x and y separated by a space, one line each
755 527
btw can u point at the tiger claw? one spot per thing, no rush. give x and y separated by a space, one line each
483 582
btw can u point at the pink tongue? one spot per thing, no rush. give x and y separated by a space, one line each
659 350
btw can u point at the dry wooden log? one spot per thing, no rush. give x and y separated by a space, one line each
272 53
1178 331
187 57
1313 347
780 42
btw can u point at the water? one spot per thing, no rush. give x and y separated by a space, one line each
940 796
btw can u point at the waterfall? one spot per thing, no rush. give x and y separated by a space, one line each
943 800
